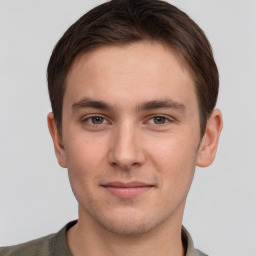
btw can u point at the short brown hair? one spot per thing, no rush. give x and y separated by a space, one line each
119 22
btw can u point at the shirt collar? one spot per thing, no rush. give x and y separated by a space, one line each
188 243
59 242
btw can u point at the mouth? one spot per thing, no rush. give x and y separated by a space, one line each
127 190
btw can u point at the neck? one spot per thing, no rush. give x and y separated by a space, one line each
90 238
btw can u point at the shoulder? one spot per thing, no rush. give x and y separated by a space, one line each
51 245
188 243
35 247
199 253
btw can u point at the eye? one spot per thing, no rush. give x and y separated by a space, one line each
158 120
95 120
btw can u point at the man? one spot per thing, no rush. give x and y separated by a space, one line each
133 86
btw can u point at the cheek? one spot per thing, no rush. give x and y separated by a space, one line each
84 158
175 161
83 163
173 150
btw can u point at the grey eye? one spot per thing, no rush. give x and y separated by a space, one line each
97 120
160 120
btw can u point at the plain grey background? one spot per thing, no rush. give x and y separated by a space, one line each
35 195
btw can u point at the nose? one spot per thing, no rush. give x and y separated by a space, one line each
126 149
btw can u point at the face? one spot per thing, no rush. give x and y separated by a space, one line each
130 136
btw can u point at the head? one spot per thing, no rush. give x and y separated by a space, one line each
122 22
133 86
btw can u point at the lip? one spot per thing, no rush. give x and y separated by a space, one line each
127 190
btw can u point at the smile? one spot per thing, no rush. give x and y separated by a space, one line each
127 190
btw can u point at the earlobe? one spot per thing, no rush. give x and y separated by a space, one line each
209 143
57 141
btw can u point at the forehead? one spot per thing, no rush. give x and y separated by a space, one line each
136 72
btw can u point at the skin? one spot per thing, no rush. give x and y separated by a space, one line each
130 113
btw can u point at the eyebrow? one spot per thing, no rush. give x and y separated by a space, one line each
89 103
155 104
149 105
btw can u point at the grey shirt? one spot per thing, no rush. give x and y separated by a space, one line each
56 244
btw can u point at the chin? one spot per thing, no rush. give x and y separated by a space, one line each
129 224
128 228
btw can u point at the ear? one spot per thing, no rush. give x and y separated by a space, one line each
209 143
57 141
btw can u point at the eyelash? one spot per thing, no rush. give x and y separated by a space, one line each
86 119
166 119
105 120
